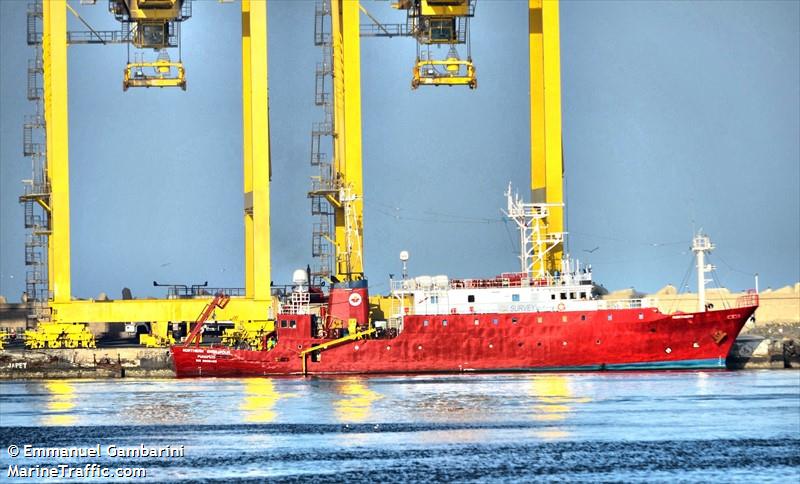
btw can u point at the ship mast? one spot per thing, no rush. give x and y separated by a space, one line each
700 245
535 241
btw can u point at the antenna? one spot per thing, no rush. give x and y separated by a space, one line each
404 258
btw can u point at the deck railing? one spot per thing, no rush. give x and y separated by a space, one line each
748 299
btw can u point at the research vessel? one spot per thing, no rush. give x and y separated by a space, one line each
518 321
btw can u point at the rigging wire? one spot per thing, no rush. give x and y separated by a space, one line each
684 283
715 278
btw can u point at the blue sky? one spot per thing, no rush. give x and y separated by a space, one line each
677 116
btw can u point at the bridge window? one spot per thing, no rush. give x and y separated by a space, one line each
292 324
515 297
563 295
572 295
283 323
471 298
444 322
434 299
552 296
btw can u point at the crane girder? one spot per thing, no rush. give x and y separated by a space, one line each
547 167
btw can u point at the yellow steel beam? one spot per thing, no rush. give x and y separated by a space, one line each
238 309
54 58
546 150
258 302
348 218
256 151
332 343
247 152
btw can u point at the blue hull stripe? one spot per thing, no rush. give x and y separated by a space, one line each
670 365
710 363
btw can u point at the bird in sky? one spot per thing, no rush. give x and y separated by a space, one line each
592 250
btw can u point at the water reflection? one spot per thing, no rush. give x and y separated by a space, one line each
357 404
553 399
260 399
60 403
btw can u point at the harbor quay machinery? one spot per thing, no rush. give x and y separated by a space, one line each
148 25
152 27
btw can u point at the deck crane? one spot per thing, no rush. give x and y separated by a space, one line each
148 24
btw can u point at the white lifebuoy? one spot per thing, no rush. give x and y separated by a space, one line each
354 299
561 307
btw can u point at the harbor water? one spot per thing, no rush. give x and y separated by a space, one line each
741 426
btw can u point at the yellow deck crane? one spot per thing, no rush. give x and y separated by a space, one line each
146 23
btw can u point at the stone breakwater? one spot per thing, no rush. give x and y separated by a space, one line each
86 363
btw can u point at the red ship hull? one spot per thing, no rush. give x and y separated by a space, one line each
623 339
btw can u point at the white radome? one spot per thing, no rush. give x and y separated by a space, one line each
299 277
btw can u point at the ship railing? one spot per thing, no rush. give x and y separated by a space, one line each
627 303
298 303
748 299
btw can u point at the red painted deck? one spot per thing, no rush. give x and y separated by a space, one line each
590 340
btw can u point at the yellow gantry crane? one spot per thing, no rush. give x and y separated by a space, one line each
147 22
155 24
337 192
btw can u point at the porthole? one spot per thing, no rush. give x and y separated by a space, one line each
419 347
563 343
491 345
355 348
668 350
388 348
597 342
695 345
